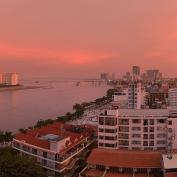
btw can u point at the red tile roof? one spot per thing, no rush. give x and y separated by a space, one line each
57 128
171 174
125 158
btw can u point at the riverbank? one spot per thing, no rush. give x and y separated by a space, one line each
20 87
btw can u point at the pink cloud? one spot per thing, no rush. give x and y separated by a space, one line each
73 57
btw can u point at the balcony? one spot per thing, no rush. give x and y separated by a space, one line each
61 158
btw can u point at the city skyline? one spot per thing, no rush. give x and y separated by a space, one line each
85 38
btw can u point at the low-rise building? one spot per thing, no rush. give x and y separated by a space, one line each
55 147
132 142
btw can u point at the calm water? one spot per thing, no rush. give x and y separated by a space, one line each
22 108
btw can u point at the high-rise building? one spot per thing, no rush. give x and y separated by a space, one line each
152 75
136 72
10 79
135 96
127 76
104 76
172 97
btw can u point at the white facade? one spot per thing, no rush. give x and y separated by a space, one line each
120 99
135 96
143 129
10 79
172 96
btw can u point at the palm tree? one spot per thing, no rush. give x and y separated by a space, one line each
8 136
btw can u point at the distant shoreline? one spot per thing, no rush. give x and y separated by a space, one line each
20 87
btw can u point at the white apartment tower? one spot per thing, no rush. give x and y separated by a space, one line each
135 95
172 96
136 72
140 129
10 79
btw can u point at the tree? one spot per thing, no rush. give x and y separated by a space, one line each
6 137
79 110
22 130
110 93
14 165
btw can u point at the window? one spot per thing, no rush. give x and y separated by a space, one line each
136 121
161 121
170 122
151 129
145 129
101 130
110 138
152 136
110 145
161 142
145 143
136 136
136 128
101 144
101 121
110 130
145 122
136 142
101 137
145 136
110 121
151 122
123 129
151 143
123 121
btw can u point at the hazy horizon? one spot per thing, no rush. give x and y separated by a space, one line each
83 38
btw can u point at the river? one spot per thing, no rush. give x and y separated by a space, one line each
22 108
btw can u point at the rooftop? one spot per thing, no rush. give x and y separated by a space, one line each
171 174
41 137
170 163
125 158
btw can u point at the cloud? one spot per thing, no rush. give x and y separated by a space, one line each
73 57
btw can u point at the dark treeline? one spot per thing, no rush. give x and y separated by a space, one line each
5 137
13 165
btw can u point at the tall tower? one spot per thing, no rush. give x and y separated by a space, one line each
136 72
135 95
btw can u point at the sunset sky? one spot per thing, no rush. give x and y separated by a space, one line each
81 38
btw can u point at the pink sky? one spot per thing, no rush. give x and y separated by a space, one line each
67 38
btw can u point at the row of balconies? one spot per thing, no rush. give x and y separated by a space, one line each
45 155
125 143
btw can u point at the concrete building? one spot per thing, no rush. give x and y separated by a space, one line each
152 75
105 76
143 129
136 72
10 79
136 143
120 99
172 97
55 147
135 95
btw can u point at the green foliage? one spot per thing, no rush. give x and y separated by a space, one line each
110 93
79 110
22 130
41 123
14 165
5 137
